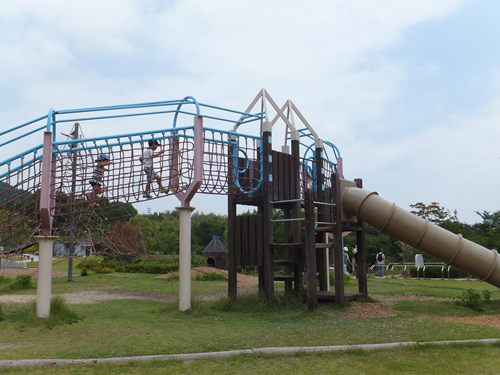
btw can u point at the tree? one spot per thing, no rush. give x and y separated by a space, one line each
433 212
487 233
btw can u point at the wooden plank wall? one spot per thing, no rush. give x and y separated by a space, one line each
284 180
248 240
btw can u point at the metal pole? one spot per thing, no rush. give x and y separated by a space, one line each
72 219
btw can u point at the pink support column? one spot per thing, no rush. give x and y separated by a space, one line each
46 241
46 202
185 197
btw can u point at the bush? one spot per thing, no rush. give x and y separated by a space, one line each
4 279
104 269
84 272
347 278
211 276
159 268
24 281
487 295
435 273
143 267
472 299
2 317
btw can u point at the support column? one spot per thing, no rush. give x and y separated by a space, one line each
338 253
44 283
296 214
267 213
185 257
312 289
361 243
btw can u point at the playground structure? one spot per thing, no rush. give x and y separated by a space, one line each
43 192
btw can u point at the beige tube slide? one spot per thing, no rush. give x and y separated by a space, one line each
422 234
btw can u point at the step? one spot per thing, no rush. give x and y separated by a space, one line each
284 262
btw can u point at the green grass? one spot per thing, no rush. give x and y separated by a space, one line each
426 359
139 327
427 287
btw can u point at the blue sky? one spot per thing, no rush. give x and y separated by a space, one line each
408 91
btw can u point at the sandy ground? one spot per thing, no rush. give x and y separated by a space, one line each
245 284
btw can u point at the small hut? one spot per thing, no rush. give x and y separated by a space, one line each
82 247
216 254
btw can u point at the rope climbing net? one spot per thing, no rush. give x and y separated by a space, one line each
231 163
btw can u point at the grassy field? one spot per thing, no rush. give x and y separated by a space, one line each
120 328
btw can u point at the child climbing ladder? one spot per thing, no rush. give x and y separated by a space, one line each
147 162
96 179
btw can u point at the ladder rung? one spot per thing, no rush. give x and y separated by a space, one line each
284 278
284 262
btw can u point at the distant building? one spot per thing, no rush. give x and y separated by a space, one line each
83 246
216 254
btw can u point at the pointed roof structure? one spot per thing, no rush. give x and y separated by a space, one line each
286 113
215 246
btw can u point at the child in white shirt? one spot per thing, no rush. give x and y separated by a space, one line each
147 162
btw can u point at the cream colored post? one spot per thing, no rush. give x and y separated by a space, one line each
185 257
44 284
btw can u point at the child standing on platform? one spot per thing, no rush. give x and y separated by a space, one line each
147 162
96 179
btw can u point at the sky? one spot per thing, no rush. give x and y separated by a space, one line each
409 92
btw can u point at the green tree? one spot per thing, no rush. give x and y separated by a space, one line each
433 212
487 233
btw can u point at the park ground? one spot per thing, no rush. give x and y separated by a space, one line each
126 315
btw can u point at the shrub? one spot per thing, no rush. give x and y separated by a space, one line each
145 266
172 277
24 281
472 299
487 295
159 268
104 269
84 272
1 314
347 278
211 276
435 273
4 279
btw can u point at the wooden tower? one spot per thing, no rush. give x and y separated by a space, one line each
311 209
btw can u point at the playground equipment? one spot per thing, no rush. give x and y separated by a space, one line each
43 192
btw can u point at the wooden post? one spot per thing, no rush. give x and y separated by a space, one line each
338 254
361 243
232 286
312 290
288 236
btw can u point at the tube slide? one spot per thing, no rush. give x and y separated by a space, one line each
422 234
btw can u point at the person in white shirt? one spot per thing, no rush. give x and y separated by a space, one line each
147 162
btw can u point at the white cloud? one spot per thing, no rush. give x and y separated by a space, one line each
327 56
